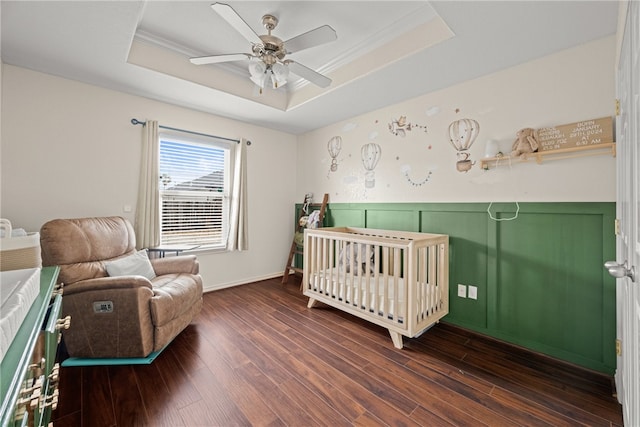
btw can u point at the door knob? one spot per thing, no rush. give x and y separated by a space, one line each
620 270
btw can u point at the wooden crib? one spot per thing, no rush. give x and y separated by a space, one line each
396 279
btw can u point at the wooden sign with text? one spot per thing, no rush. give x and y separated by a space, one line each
580 134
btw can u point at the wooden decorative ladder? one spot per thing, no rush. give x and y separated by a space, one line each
299 249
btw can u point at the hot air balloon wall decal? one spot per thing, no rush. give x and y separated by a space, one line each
333 147
370 156
462 134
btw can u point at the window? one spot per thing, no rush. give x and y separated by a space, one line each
194 190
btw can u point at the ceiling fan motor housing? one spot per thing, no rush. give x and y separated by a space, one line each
271 50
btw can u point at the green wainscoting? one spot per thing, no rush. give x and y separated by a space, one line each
540 278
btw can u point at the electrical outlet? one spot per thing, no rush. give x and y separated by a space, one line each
462 291
473 292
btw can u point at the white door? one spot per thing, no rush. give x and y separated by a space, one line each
628 206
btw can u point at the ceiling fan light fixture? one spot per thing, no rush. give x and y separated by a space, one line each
279 75
258 74
257 69
270 50
259 80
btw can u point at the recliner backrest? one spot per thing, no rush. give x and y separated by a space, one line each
80 246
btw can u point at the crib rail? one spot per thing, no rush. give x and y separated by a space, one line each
398 280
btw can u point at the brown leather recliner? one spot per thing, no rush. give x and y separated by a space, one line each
125 315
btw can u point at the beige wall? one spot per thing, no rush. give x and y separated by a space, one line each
570 86
69 150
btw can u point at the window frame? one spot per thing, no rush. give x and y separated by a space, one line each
196 139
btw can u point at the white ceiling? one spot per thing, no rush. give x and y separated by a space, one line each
386 52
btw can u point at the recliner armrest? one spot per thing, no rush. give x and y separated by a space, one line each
107 283
176 264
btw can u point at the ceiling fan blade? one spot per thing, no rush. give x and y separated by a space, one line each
320 35
214 59
230 15
308 74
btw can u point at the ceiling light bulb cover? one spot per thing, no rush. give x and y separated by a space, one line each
280 70
257 69
279 74
259 79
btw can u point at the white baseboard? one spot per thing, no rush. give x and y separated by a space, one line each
219 286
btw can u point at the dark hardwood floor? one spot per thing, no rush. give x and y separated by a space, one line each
257 356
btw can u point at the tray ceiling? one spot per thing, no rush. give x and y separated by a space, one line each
386 51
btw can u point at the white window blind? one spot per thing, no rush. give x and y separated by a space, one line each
194 190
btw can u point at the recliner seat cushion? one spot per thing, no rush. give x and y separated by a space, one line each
174 295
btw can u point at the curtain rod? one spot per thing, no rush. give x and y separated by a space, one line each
135 121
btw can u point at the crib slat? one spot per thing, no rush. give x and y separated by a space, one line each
342 288
313 254
309 262
371 297
331 267
320 259
443 282
352 282
404 313
396 295
385 280
421 299
317 261
376 280
327 265
433 270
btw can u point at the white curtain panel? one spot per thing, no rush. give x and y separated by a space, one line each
238 224
147 224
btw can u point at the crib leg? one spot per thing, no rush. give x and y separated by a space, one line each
396 338
312 302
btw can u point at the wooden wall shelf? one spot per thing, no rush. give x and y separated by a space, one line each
540 156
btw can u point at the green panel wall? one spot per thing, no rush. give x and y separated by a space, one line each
540 278
468 252
392 219
348 216
551 290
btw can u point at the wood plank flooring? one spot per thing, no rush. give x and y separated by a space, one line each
257 356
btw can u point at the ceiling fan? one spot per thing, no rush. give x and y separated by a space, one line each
270 51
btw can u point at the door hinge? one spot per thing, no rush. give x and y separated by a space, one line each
617 107
618 348
616 227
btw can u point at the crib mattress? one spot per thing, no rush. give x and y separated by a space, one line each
18 290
